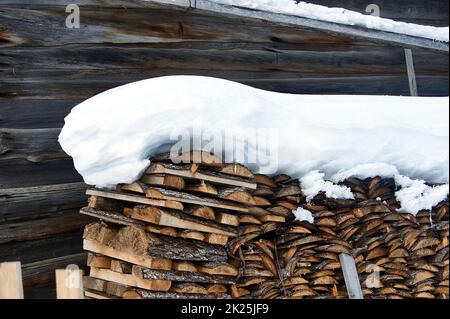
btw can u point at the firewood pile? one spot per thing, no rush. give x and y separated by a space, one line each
194 227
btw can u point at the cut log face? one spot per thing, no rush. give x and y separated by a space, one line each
239 195
99 261
107 204
202 188
264 180
236 169
166 181
201 211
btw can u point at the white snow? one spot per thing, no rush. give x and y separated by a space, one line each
341 16
313 183
112 135
302 214
413 195
366 170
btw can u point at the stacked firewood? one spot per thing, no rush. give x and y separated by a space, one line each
194 227
398 255
166 235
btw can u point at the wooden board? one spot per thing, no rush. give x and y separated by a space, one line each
69 284
135 199
181 197
215 178
176 219
182 276
131 280
11 280
164 180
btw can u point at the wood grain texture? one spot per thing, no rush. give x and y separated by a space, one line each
42 272
26 202
35 250
34 145
11 279
46 69
42 228
18 173
69 284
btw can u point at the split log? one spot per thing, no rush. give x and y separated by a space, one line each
135 199
176 219
182 276
131 280
163 180
215 178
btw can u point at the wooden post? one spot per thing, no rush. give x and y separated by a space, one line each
411 73
69 284
11 281
351 277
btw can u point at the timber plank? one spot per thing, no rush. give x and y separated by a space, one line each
158 168
130 280
172 218
135 199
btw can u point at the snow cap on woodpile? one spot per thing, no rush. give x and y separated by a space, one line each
112 135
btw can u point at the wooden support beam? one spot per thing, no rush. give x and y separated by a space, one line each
411 73
11 280
351 276
69 283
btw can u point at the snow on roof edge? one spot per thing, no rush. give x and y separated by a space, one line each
351 28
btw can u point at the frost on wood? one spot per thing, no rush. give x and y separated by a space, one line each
112 135
341 16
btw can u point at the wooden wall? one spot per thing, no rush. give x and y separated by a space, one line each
46 69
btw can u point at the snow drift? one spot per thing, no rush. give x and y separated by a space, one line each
112 135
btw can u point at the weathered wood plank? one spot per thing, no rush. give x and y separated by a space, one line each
22 173
35 250
373 84
42 273
33 114
411 72
356 60
301 23
183 276
44 25
135 199
131 280
34 145
21 203
42 228
351 276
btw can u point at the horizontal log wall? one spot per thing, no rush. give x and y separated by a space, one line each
46 69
